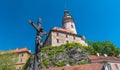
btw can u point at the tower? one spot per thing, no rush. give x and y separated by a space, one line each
68 22
67 34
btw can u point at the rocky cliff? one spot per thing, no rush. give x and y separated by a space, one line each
64 55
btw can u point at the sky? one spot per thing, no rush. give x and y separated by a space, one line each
97 20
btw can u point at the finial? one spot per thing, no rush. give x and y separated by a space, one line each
66 13
65 10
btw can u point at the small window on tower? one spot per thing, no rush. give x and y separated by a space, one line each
66 36
71 26
74 37
57 40
22 54
67 41
57 34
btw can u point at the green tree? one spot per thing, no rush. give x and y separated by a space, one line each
29 63
7 61
89 49
104 47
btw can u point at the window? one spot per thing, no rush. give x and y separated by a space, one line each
22 54
117 67
67 41
74 37
109 67
57 40
19 67
21 60
57 34
66 36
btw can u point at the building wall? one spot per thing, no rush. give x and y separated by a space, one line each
113 66
65 38
70 26
48 41
22 59
59 38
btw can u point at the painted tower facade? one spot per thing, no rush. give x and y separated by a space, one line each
68 22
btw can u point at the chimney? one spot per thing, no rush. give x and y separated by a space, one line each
105 55
118 56
29 51
66 64
16 48
98 54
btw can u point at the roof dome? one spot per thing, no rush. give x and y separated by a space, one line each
67 17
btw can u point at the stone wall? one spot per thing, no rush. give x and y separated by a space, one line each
22 59
56 38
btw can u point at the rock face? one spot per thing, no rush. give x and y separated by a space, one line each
57 56
64 55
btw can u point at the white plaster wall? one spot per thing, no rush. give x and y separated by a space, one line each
62 39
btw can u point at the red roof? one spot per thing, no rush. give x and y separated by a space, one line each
20 50
93 57
62 30
92 66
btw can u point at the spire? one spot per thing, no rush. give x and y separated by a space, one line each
66 13
67 17
68 22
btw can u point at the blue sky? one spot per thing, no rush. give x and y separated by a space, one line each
98 20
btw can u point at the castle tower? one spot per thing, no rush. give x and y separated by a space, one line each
68 22
67 34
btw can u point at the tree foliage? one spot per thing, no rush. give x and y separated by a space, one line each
104 47
7 61
29 64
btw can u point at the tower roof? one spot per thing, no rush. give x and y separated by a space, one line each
66 13
67 17
62 30
20 50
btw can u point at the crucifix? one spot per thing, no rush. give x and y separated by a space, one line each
38 42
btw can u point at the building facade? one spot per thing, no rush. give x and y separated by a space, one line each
110 62
22 56
67 34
